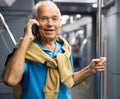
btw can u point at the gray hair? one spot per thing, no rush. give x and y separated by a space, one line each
40 3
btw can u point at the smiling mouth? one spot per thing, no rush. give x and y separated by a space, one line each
49 30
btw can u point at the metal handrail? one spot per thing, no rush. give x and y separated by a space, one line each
7 29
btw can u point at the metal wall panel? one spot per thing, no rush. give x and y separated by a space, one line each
15 17
113 47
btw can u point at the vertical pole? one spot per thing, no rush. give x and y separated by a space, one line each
99 50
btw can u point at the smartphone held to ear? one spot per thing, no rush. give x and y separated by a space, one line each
35 29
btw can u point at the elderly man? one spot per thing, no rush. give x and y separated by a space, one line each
41 66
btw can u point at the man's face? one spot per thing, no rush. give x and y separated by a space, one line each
49 20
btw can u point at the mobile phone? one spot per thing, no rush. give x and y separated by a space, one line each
35 29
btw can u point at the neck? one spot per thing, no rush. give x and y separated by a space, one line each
50 45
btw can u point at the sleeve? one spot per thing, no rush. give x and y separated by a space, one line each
25 66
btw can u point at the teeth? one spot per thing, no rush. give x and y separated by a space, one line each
49 30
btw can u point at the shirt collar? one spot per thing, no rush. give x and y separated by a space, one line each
57 49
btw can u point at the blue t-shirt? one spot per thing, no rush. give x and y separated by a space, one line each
34 77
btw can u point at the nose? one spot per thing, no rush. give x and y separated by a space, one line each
49 22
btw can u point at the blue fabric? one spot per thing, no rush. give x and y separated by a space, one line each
34 77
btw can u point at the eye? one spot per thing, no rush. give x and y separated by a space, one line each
44 18
55 18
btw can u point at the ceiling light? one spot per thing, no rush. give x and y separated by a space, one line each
94 5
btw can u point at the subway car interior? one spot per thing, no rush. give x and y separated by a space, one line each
92 29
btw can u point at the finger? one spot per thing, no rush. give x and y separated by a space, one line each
36 22
32 21
103 59
100 63
101 69
95 61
